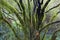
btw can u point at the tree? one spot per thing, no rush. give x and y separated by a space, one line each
30 17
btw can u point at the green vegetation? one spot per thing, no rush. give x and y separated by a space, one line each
29 16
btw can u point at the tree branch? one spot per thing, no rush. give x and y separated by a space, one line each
42 2
18 5
6 21
48 25
53 8
45 5
54 36
23 8
54 16
39 14
35 2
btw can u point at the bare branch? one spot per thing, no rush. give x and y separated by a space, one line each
39 14
53 8
6 21
18 5
54 36
22 5
23 8
35 5
54 16
45 5
48 25
42 2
